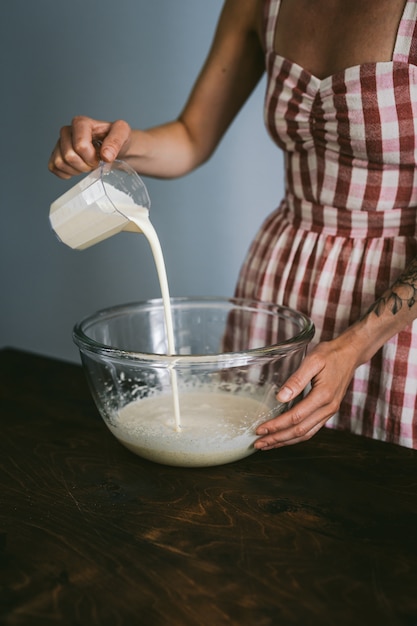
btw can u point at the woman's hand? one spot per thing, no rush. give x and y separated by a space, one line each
232 69
330 365
85 142
329 368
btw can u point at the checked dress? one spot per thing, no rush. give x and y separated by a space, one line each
347 226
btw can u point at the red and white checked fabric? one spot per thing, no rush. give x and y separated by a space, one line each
347 226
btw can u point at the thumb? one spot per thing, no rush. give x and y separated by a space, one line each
298 381
116 139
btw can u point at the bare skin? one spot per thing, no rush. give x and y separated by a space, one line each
324 37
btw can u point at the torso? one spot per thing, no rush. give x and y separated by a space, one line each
341 101
326 36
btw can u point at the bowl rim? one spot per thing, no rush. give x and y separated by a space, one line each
87 344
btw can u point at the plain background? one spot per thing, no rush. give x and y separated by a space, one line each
135 60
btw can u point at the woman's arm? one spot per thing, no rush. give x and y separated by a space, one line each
330 365
233 68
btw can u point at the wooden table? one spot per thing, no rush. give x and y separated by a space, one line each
323 533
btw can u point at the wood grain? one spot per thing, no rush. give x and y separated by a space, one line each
323 533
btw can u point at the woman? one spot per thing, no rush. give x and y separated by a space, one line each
342 247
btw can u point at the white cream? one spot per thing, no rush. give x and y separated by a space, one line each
140 217
216 427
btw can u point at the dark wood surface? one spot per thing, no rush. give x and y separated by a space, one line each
323 533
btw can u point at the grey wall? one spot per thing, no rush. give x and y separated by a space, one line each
131 59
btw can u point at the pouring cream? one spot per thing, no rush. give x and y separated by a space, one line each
212 426
139 216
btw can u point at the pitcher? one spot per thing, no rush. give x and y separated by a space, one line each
94 208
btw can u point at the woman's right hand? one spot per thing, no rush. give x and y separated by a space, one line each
86 142
231 71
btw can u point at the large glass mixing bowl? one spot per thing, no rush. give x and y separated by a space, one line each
232 356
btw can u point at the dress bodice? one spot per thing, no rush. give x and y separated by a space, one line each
349 138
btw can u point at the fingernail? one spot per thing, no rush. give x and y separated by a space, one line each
108 154
284 394
262 431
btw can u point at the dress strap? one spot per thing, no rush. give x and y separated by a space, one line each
270 21
406 43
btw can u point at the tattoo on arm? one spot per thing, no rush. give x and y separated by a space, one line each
403 292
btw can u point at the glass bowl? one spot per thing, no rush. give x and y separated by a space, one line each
201 406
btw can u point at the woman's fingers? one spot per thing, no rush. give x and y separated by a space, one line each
329 369
65 160
85 142
115 141
298 424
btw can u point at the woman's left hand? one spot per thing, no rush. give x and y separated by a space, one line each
329 367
